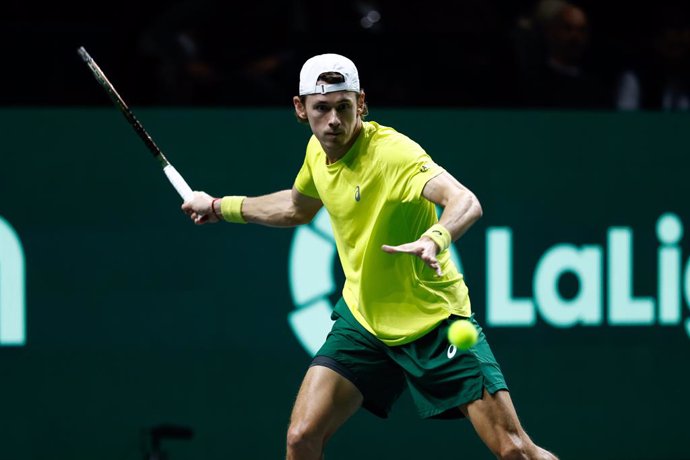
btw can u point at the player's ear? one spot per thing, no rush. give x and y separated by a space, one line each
361 98
300 110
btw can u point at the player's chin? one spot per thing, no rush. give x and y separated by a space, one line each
333 138
329 140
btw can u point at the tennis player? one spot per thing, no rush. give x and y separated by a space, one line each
401 291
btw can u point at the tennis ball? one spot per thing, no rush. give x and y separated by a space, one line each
462 334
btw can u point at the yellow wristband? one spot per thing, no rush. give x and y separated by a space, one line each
439 235
231 209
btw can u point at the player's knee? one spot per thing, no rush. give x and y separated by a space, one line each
546 455
513 452
514 448
518 446
301 438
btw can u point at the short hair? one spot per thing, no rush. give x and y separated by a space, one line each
330 78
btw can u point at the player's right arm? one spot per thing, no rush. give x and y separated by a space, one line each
286 208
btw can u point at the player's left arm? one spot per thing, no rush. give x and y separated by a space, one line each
461 209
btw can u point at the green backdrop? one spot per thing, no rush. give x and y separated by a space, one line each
135 317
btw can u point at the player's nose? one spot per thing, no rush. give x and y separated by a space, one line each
333 119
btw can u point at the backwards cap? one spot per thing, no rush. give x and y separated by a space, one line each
323 63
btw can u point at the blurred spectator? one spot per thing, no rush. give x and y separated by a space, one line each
211 52
214 52
662 81
555 72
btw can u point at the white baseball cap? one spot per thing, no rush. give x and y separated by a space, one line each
322 63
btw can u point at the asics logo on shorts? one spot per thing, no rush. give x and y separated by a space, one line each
451 351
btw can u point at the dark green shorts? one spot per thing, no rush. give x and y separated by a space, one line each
440 377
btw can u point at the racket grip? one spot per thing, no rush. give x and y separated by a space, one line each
178 182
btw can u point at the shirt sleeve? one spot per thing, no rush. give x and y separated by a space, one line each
411 167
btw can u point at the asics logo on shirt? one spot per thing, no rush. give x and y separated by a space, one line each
357 195
451 351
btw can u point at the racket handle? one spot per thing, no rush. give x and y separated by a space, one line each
178 182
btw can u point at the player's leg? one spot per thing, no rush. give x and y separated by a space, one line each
497 424
325 401
469 383
350 370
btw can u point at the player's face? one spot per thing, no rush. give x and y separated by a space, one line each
334 120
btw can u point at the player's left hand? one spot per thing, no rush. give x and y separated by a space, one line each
424 248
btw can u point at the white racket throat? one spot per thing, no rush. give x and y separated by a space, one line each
178 182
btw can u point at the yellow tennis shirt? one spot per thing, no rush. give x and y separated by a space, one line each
373 195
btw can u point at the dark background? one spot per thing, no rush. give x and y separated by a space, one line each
468 53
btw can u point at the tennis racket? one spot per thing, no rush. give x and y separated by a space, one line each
173 176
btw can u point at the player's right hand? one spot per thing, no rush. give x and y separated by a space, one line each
198 208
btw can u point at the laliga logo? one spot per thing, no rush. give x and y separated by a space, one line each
313 253
12 287
585 262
